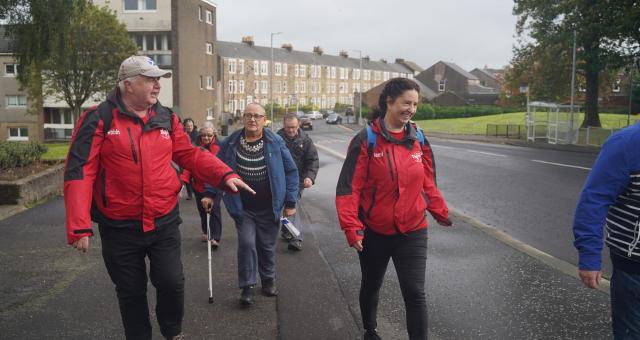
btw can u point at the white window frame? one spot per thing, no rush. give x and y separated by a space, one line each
141 4
356 74
240 66
256 87
241 86
442 85
232 66
615 87
201 83
303 87
15 70
209 48
284 87
303 70
209 17
264 68
333 72
264 87
277 69
200 13
385 76
209 113
19 104
284 69
296 70
256 67
19 137
209 82
231 88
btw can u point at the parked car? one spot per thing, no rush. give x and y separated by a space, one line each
300 114
326 113
334 118
305 123
313 115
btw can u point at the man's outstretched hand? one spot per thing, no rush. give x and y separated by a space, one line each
82 244
236 183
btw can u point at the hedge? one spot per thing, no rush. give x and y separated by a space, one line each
18 154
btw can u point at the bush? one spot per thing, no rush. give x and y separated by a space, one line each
427 111
17 154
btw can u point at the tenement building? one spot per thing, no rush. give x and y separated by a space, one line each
303 78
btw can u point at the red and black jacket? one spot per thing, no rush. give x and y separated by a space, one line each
123 177
389 189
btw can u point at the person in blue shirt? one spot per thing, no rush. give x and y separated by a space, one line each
611 198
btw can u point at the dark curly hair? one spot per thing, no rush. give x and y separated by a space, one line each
393 89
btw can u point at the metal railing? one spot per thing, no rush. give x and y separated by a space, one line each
515 131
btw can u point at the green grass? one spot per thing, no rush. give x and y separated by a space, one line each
56 151
478 125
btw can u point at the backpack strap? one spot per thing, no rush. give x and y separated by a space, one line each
420 136
371 140
104 110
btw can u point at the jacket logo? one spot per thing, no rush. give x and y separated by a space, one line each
417 156
164 133
378 154
113 132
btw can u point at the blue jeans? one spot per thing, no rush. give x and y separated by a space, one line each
625 305
256 247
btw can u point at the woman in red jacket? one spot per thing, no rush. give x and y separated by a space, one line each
208 201
383 194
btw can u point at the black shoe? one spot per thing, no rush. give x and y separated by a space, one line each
269 288
371 335
248 295
284 232
295 245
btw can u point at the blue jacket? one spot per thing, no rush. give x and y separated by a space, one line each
610 197
283 174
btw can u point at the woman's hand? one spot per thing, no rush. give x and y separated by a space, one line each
358 245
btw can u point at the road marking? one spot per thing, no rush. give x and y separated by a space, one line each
488 153
560 164
443 146
552 261
346 128
330 151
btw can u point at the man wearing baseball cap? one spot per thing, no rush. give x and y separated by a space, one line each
118 174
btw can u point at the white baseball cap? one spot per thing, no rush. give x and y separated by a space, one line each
141 65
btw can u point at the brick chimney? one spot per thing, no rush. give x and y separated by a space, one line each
317 50
248 39
344 53
399 61
383 60
287 47
366 58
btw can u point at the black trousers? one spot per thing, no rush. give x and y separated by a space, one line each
215 222
409 254
124 251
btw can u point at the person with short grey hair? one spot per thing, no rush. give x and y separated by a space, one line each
305 155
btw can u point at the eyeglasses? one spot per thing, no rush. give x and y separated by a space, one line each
207 136
255 116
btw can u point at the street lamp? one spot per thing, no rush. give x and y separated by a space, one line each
271 77
360 89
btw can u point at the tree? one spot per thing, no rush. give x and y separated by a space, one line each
69 49
550 26
86 56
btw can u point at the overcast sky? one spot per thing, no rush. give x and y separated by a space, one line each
470 33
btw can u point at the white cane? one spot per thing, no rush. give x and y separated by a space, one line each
209 257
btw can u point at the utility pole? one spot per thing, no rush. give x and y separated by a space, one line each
271 77
360 89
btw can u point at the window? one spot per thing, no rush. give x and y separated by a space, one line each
255 87
249 100
232 66
209 83
140 5
264 68
264 87
441 85
209 17
209 48
343 73
16 101
256 69
277 69
232 86
296 70
209 113
152 41
284 86
303 101
343 87
616 86
241 104
394 75
241 66
367 75
200 13
385 76
284 69
356 74
296 87
303 70
241 86
10 70
333 72
303 87
18 133
201 82
377 75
